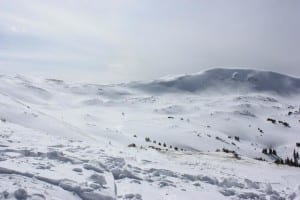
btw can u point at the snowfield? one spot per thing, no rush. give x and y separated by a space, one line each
198 136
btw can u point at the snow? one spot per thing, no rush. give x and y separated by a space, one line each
225 80
63 140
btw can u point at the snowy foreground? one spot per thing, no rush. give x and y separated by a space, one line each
163 139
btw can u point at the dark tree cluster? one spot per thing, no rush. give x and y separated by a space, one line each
272 120
132 145
228 151
269 151
237 138
294 161
260 130
294 112
220 139
147 139
284 124
260 159
236 155
296 155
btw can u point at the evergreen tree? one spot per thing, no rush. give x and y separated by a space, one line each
270 151
265 151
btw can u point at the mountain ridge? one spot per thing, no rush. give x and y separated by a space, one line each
224 79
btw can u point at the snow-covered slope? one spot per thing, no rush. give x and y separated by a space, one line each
165 139
226 80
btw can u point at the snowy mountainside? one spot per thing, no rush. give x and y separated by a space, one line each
225 80
159 140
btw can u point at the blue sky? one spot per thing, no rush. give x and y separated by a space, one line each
122 40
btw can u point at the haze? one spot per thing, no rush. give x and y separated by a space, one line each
119 41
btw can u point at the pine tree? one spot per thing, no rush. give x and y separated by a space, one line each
287 161
270 151
265 151
294 154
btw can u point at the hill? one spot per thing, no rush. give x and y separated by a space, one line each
225 81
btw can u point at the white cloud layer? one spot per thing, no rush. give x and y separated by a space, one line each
123 40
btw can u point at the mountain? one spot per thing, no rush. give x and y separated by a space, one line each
211 135
224 81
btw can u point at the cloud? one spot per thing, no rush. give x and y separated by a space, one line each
126 40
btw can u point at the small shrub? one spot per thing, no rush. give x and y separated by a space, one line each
279 161
260 159
237 138
132 145
286 124
271 120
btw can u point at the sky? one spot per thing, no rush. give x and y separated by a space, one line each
115 41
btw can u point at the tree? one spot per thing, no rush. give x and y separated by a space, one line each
270 151
278 161
265 151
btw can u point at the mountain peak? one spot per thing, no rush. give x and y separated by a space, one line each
225 80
